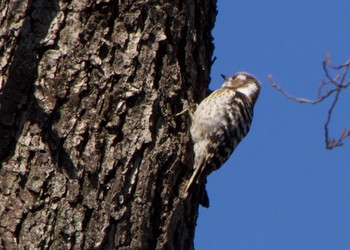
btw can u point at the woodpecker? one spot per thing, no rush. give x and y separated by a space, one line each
220 122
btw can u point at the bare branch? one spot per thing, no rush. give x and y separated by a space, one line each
299 99
337 84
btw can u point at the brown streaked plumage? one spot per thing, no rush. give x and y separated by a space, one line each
220 122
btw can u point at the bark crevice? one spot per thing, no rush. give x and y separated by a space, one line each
92 153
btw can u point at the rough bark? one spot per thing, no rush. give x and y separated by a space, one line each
92 155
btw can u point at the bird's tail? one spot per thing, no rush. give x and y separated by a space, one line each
195 177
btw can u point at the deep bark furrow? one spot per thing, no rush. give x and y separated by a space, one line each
91 152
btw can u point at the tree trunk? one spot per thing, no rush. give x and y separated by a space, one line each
92 153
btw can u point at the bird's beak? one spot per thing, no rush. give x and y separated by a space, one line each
224 77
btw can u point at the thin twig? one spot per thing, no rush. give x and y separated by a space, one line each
338 83
299 99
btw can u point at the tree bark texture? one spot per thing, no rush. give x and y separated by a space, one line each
92 153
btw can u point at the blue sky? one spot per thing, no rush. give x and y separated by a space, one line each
281 189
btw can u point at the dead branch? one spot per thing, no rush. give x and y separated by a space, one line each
330 88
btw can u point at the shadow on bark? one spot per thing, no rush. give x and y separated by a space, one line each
18 103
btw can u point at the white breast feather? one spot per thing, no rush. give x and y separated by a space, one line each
248 89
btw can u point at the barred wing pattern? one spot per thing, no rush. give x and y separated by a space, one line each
220 122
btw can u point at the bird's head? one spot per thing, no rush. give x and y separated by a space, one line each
243 83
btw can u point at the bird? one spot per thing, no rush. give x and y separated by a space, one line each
220 122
